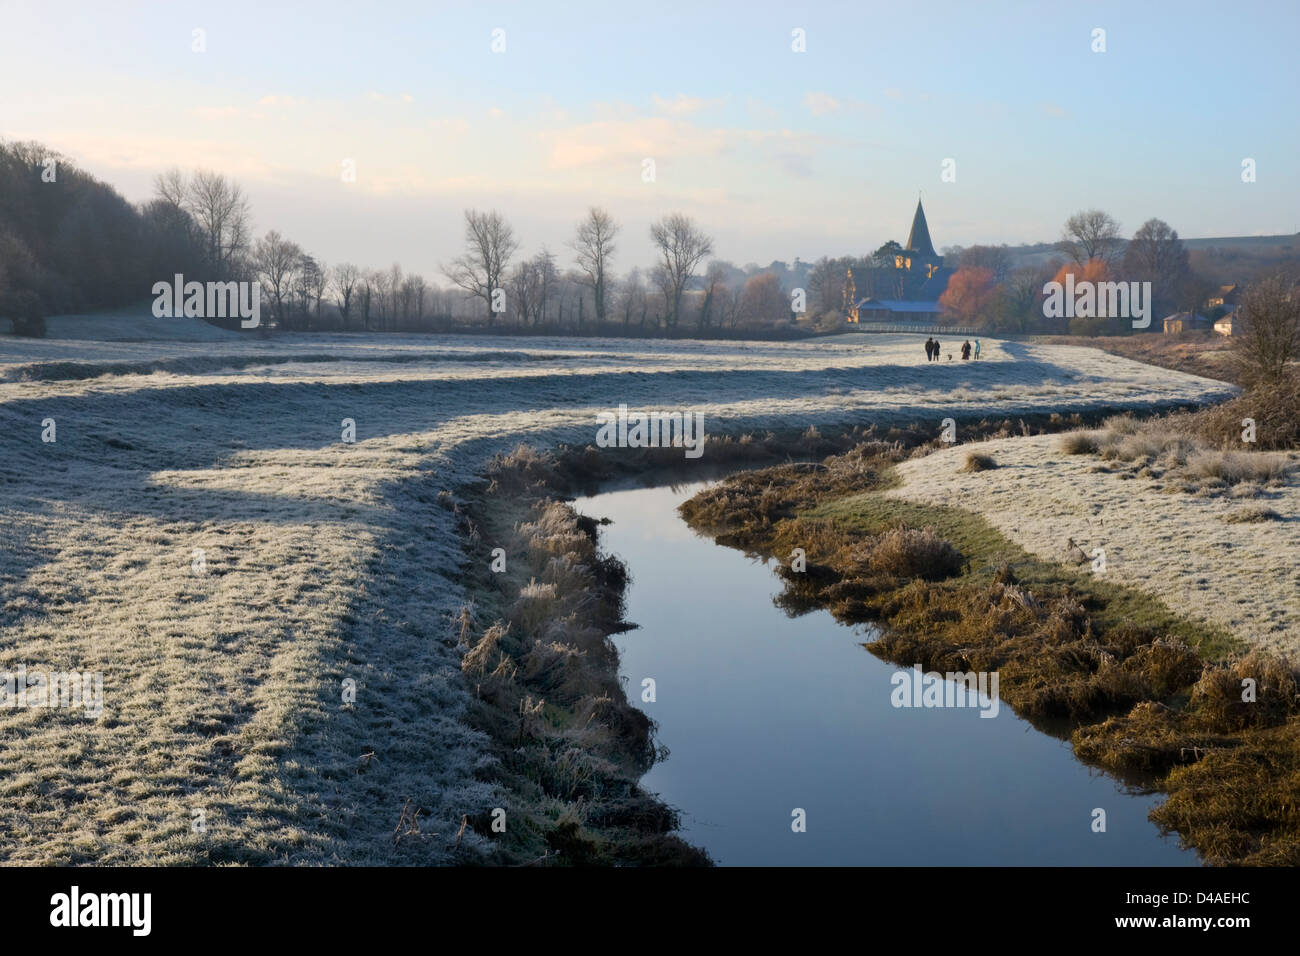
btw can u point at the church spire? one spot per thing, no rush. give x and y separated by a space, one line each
918 240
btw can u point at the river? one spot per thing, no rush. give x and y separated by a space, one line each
765 714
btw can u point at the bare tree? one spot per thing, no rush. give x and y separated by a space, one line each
683 247
548 283
997 259
170 187
594 245
368 296
1269 341
631 296
347 279
1091 234
415 291
381 285
221 211
274 259
714 287
308 287
1020 296
394 307
1156 254
661 281
319 285
526 291
490 244
729 306
763 300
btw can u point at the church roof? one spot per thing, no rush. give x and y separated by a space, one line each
934 286
918 240
899 305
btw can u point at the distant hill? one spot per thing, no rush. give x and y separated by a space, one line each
1250 252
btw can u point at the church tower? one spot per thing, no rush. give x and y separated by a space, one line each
919 258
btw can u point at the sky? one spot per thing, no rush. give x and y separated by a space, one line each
778 154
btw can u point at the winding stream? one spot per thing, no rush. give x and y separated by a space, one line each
764 713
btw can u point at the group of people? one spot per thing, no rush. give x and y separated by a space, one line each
933 348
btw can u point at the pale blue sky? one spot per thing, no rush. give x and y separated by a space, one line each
777 154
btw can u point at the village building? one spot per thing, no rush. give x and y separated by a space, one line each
1185 322
1231 324
898 310
919 279
1224 300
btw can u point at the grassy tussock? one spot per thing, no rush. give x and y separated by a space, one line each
1145 691
1275 408
976 461
1079 443
1174 448
1251 514
903 552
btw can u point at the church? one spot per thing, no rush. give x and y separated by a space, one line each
914 283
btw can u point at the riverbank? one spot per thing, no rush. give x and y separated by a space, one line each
568 748
766 713
1138 686
250 543
543 605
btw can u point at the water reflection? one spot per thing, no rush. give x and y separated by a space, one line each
765 714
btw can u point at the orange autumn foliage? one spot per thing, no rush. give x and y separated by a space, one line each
1094 270
969 292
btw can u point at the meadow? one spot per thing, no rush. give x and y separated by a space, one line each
273 608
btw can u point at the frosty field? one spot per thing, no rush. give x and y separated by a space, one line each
325 561
1183 548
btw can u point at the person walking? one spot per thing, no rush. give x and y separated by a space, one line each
965 350
977 350
929 350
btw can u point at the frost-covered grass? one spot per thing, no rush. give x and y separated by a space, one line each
1204 553
1170 447
327 561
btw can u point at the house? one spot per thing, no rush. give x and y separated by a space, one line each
1226 296
1230 324
898 311
1185 322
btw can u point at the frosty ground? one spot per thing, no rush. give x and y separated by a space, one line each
1184 548
326 561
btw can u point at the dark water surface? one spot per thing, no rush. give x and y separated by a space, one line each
764 714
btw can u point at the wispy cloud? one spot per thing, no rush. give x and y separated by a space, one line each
820 103
683 105
629 140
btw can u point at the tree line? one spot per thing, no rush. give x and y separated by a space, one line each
988 292
70 243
